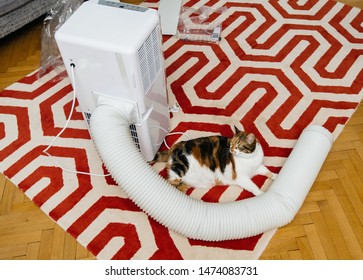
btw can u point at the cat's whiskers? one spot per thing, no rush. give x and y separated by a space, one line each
215 160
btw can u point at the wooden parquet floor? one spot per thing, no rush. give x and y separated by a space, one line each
328 226
25 231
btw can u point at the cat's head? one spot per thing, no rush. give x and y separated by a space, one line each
242 143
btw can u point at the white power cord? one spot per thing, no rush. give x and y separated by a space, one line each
169 134
175 108
64 128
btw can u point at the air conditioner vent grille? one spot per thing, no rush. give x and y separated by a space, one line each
134 136
149 59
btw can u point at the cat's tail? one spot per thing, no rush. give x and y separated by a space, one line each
161 157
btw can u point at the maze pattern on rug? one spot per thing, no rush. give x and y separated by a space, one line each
280 66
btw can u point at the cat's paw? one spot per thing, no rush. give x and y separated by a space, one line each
183 188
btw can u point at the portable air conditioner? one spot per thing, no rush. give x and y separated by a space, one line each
116 52
113 53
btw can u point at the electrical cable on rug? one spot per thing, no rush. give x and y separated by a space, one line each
45 151
175 108
123 85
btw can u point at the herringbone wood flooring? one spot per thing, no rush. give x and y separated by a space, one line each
25 231
328 226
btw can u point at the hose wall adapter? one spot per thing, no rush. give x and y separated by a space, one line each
197 219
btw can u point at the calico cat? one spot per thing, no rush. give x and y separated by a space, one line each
216 160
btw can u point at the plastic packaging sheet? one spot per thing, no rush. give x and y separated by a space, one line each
50 56
201 25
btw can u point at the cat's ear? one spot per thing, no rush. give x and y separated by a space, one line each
251 138
236 130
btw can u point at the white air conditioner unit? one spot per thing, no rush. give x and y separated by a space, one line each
116 51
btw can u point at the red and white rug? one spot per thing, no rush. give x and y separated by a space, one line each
280 66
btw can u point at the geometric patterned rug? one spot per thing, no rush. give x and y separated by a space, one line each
280 66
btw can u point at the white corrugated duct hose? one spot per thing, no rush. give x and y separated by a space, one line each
203 220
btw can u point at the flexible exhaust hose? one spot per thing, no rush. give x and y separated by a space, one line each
203 220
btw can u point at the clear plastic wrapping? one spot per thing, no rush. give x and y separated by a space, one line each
50 56
200 25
